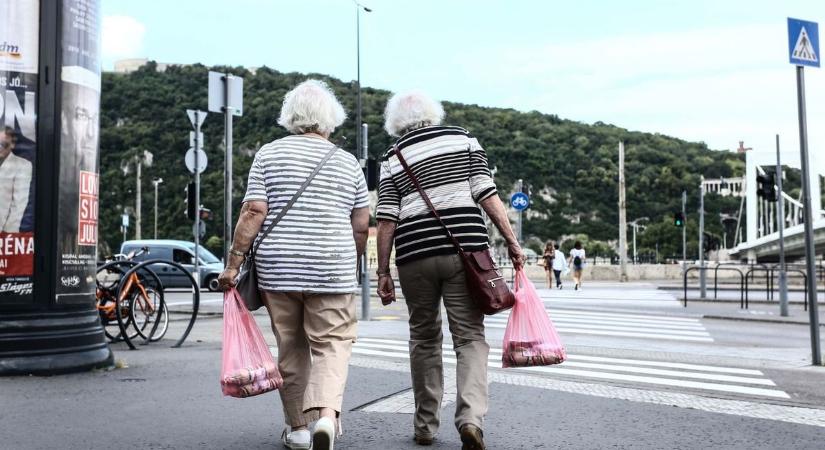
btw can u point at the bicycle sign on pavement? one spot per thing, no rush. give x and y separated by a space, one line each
520 201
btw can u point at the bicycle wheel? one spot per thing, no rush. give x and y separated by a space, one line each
106 280
149 315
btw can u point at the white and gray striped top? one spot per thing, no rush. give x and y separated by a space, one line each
312 248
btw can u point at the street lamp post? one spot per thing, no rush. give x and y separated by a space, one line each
358 9
635 224
156 182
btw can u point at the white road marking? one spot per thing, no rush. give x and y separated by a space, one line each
709 380
751 409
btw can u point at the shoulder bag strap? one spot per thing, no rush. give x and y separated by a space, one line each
425 197
292 201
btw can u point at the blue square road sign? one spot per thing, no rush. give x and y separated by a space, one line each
803 42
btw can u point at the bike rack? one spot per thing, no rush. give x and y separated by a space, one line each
742 299
769 284
196 295
129 264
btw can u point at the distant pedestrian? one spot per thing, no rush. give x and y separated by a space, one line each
452 168
549 256
577 260
306 265
559 265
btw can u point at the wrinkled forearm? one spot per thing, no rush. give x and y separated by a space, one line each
360 220
249 224
495 210
385 235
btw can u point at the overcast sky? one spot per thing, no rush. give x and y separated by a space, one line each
713 71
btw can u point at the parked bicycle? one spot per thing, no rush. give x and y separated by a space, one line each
140 303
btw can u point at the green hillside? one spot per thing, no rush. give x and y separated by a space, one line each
573 165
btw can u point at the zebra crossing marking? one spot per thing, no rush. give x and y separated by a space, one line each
690 376
619 325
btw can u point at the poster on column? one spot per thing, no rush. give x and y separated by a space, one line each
79 130
18 117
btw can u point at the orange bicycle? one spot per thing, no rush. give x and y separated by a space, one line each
142 309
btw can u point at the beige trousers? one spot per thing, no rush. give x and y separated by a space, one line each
424 283
315 333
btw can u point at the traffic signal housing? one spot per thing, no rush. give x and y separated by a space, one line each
525 189
190 201
679 219
766 187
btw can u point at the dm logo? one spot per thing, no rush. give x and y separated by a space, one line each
10 50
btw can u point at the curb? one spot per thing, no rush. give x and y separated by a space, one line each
758 319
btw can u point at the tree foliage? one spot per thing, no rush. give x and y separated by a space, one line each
572 167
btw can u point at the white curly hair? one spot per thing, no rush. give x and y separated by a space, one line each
411 110
311 107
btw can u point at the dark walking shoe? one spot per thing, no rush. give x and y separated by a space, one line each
471 437
422 440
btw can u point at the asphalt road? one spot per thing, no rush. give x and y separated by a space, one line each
642 373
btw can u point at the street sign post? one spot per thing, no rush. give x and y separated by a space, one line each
195 158
226 96
780 215
702 275
192 158
519 201
803 48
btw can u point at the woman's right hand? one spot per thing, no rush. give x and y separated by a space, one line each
386 289
516 255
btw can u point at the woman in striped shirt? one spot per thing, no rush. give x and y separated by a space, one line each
306 265
452 168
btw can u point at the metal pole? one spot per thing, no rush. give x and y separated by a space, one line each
634 243
520 213
702 277
139 165
810 255
684 231
197 229
227 173
622 218
156 182
358 76
365 273
780 219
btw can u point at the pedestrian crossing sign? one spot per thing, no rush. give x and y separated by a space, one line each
803 42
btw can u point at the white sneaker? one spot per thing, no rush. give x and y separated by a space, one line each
323 435
296 440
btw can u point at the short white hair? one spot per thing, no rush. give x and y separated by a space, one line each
410 110
311 107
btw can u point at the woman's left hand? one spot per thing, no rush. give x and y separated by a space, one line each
226 280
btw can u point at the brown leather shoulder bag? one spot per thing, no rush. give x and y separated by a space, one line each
485 281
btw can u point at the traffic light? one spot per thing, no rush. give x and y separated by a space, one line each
372 174
679 219
525 189
765 187
710 242
190 201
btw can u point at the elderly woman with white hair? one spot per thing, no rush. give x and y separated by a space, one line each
452 169
306 265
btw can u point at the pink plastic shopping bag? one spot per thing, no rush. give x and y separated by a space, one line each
248 367
530 338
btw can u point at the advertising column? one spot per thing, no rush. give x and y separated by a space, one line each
18 100
78 177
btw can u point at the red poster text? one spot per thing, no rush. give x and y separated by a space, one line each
16 254
87 215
